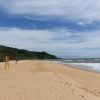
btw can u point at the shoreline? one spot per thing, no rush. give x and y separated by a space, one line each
80 67
40 80
83 69
66 65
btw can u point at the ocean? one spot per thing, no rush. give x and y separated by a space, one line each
92 64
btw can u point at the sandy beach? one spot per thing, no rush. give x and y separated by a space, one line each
39 80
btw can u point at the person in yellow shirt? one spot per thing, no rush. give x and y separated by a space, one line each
6 62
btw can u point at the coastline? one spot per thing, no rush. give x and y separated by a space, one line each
80 67
40 80
83 68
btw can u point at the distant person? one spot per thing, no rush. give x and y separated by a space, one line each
16 59
6 62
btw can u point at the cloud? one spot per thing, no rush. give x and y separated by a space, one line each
57 41
81 10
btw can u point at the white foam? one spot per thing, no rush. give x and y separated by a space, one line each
95 66
68 60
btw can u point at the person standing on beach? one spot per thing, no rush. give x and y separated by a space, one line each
6 62
6 58
16 59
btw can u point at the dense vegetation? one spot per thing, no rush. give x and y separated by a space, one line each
21 54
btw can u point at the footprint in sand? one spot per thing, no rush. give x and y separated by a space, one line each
99 92
81 96
94 92
68 84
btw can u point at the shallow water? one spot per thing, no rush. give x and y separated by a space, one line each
83 63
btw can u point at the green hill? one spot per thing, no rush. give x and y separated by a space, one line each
21 54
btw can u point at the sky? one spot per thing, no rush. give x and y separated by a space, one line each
65 28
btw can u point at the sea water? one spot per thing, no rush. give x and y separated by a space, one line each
82 63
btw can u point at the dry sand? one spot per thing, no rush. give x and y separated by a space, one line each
38 80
